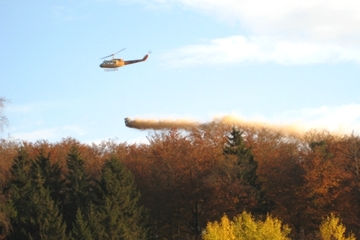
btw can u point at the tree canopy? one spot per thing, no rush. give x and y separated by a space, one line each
180 181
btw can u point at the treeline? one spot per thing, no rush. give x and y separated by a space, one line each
41 202
185 179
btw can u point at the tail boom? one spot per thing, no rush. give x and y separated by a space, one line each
136 61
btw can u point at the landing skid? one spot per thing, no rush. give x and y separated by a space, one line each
110 69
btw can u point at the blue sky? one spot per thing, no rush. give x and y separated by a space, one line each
277 62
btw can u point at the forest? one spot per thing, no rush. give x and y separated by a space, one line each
178 182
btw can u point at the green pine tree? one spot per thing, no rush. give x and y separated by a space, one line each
78 187
5 226
45 220
19 191
53 179
122 216
246 168
81 229
33 213
245 160
94 220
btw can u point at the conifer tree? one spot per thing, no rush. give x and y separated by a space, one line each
20 173
93 218
245 160
33 213
81 229
122 217
5 226
245 170
19 191
45 220
52 176
78 187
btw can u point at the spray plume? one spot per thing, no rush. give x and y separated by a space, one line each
291 129
230 120
143 124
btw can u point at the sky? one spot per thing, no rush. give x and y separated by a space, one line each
293 62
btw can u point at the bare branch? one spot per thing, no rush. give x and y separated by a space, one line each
3 119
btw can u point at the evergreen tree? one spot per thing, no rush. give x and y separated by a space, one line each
81 229
235 146
78 187
5 226
94 220
121 215
19 191
33 213
246 167
52 176
20 174
45 220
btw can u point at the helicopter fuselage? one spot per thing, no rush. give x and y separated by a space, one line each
113 63
118 62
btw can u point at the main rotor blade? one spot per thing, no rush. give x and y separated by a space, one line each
120 51
112 55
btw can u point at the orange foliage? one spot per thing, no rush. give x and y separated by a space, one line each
185 181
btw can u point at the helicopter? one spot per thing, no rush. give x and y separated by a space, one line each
114 63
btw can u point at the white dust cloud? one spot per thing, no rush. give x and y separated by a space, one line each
343 120
230 120
154 124
290 129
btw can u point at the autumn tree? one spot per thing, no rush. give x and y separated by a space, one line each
349 207
244 227
173 173
326 178
332 229
279 156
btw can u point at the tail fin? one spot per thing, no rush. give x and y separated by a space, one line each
146 57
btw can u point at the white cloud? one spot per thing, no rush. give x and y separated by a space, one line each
33 136
331 20
285 32
50 134
238 49
319 19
